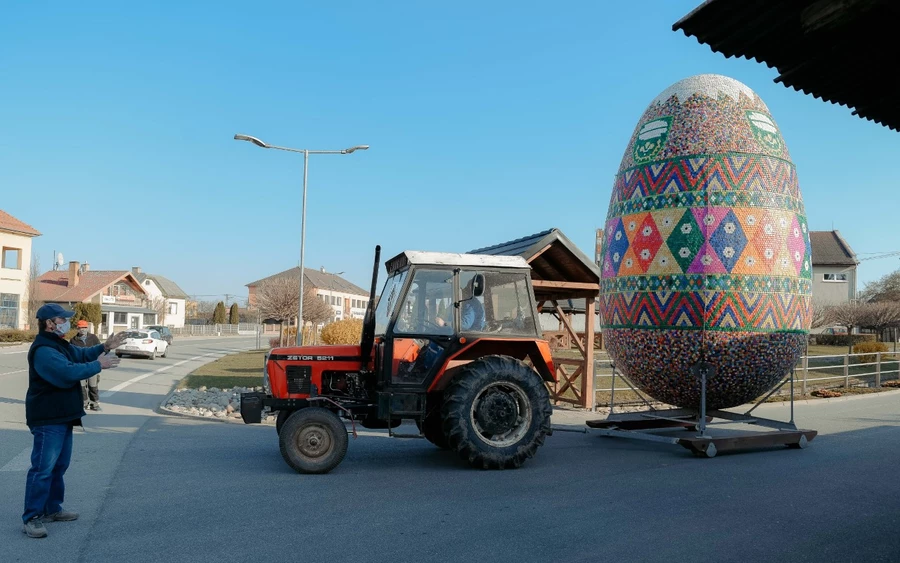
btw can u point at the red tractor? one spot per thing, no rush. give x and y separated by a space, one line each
453 344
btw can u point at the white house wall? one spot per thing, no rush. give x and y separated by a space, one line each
175 320
14 281
344 310
833 292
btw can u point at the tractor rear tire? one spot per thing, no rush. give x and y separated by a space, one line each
433 427
313 440
496 413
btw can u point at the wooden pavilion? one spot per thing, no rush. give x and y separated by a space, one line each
560 271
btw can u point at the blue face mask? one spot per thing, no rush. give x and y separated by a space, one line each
62 329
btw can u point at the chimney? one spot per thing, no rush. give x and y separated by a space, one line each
135 270
85 267
322 268
73 274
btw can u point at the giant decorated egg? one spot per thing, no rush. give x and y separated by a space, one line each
706 254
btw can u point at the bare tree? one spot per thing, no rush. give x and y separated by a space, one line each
849 316
278 299
161 307
206 306
881 316
818 314
887 288
33 287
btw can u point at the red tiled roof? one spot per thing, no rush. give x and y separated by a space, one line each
53 286
10 223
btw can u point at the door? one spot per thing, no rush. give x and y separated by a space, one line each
423 329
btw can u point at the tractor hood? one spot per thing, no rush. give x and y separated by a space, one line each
337 353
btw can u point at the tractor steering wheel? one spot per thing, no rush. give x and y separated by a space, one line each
434 325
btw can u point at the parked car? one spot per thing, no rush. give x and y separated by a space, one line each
838 330
147 343
163 331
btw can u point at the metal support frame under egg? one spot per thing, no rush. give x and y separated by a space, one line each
692 425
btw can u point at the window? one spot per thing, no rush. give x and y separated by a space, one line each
842 277
428 307
333 300
9 310
388 300
134 321
147 282
120 318
507 303
173 308
12 258
149 319
340 301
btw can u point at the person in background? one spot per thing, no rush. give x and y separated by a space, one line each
90 388
53 407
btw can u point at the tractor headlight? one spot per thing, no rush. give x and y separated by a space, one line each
267 387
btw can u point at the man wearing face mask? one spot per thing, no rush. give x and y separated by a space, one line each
53 407
90 388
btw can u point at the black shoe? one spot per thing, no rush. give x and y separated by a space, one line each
96 408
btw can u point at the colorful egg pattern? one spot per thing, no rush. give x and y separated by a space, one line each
706 254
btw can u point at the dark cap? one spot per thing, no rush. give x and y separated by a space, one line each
51 311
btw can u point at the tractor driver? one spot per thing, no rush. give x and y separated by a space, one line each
471 311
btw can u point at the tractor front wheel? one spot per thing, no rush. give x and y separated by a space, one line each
281 419
496 412
313 440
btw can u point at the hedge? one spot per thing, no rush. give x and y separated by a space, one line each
13 335
841 339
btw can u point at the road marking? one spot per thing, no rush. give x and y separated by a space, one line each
113 390
12 372
21 462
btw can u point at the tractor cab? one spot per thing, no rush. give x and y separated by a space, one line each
452 344
436 305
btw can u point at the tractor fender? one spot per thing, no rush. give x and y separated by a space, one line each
525 349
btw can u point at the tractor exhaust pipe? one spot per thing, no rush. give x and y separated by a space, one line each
368 332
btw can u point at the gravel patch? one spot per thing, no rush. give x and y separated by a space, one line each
211 402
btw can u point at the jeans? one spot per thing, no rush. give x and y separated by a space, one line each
50 456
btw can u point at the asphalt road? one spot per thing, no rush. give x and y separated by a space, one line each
129 395
156 488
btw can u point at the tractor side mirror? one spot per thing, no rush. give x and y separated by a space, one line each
478 285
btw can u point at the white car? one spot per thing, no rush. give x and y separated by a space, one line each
147 343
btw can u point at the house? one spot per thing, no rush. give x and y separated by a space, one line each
348 300
124 302
165 296
833 268
15 244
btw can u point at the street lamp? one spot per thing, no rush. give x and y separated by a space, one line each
306 153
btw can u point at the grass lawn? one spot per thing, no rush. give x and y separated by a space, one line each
243 369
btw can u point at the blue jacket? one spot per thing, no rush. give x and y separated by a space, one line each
55 369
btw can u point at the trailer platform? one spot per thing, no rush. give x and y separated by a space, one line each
691 428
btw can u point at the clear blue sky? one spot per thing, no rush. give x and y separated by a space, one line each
487 121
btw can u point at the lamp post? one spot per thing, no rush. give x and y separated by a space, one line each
306 153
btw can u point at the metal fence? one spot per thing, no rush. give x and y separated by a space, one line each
871 369
242 329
